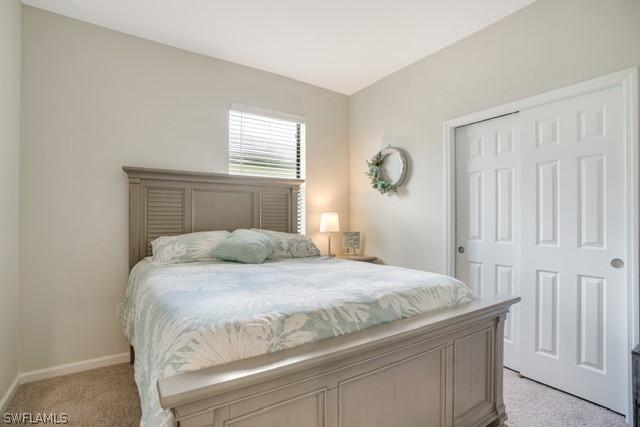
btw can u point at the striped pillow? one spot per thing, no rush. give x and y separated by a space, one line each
246 246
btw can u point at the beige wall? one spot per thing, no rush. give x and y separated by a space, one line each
95 100
547 45
9 202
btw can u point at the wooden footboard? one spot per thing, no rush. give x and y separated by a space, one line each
439 369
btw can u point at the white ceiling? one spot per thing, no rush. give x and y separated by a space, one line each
342 45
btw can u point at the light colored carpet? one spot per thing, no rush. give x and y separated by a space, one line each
100 397
531 404
108 397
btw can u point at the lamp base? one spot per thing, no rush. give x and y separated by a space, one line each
329 254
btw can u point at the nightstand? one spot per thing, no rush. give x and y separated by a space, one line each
362 258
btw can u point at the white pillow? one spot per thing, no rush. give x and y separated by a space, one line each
291 245
186 247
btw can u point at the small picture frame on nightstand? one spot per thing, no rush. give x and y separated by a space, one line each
351 242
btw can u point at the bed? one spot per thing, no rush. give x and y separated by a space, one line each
226 344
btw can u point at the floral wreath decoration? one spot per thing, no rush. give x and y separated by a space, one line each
374 172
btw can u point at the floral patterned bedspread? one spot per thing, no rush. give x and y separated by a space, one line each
186 317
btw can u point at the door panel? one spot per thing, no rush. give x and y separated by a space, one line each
546 311
541 213
487 215
573 310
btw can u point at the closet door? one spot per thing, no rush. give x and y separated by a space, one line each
574 239
487 235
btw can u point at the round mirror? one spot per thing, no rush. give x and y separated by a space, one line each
394 167
387 169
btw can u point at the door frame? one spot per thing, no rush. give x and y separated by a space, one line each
628 80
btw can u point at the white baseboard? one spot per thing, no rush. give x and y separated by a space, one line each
9 394
72 368
56 371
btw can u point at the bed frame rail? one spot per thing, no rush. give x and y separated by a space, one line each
439 369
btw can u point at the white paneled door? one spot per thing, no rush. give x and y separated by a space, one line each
574 239
542 213
487 234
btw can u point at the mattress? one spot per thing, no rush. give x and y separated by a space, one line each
186 317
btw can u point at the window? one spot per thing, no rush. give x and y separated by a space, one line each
264 143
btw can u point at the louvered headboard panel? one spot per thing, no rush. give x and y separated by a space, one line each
166 202
275 213
164 213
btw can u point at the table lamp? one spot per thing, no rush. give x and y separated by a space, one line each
329 223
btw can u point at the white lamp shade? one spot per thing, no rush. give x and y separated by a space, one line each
329 222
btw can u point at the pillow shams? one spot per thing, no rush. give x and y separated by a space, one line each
187 247
245 246
290 245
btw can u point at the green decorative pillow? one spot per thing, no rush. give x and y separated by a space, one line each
246 246
290 245
186 247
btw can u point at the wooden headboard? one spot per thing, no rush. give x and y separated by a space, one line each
168 202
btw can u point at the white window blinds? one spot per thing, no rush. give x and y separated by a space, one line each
269 144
